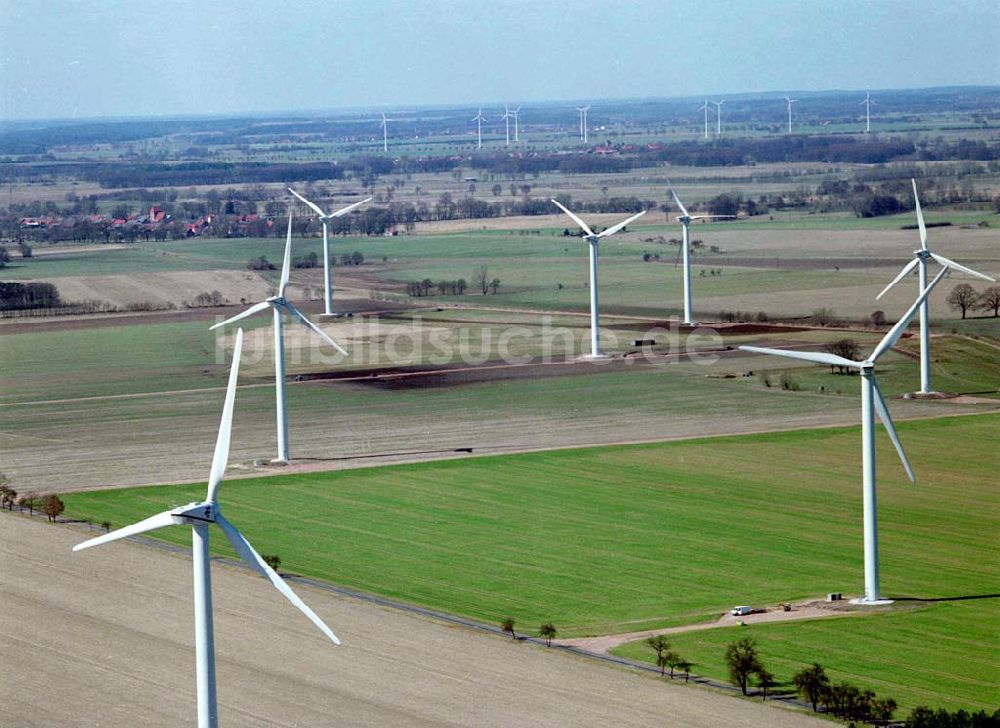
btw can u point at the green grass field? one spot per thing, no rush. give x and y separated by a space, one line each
623 538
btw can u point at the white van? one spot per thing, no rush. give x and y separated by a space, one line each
741 610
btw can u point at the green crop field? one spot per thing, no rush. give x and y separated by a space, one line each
613 539
941 654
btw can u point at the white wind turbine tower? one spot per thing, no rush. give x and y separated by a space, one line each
872 401
507 116
479 119
685 220
920 262
867 103
385 132
516 114
718 117
790 102
200 516
276 304
704 107
327 270
583 122
593 239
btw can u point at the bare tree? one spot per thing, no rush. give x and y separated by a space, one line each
548 631
811 682
764 679
847 348
990 300
507 625
482 279
661 645
272 560
963 297
743 661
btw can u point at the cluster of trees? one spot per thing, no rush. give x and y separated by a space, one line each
443 288
20 296
924 717
208 298
842 700
666 657
306 261
964 297
51 505
546 631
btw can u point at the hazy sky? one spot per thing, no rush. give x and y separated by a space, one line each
177 57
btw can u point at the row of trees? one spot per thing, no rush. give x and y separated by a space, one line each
51 505
964 298
426 287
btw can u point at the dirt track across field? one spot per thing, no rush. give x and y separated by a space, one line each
110 631
809 610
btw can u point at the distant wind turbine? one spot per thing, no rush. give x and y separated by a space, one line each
583 122
704 107
327 269
516 114
790 102
919 261
872 401
199 516
507 116
867 103
479 119
718 117
685 220
385 132
277 304
593 239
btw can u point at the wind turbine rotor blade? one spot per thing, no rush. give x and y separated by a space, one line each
160 520
577 220
817 357
883 414
309 324
896 331
221 457
343 211
679 203
902 274
255 562
952 264
314 206
920 216
615 228
249 312
286 265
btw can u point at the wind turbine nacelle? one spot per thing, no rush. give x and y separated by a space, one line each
194 513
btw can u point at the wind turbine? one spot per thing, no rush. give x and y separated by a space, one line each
583 122
685 220
385 132
718 117
867 103
516 112
593 239
790 102
199 516
479 119
507 116
277 303
871 401
327 270
920 262
704 107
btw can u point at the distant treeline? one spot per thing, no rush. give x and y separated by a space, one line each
613 158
